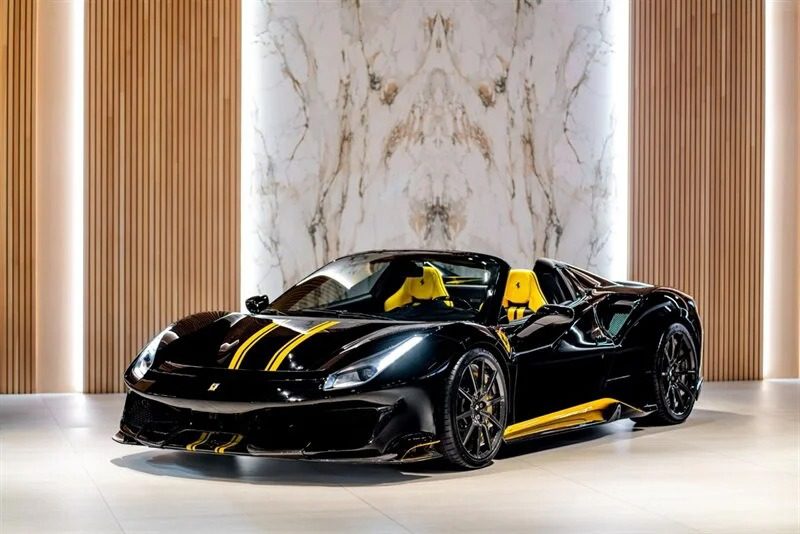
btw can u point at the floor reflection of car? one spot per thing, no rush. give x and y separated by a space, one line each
410 355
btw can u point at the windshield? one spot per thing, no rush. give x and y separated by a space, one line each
416 287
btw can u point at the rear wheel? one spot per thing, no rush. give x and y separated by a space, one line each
675 377
474 411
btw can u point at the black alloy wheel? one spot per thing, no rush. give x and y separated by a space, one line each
675 377
475 410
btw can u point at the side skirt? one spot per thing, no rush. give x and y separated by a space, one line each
590 413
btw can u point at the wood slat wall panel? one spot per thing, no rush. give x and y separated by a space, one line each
17 196
696 178
162 171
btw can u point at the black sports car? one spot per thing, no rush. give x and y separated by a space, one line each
411 355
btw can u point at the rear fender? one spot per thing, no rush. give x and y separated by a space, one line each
657 311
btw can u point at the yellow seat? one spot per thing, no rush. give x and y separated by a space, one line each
415 288
523 294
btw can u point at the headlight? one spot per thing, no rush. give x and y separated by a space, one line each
145 359
365 370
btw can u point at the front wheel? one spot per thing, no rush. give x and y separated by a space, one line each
675 377
474 410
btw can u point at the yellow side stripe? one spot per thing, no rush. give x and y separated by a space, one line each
588 412
236 361
193 445
232 443
283 352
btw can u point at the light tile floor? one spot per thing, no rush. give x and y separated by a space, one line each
733 467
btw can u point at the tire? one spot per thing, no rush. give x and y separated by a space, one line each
474 410
674 377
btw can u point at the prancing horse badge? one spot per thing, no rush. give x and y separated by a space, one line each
213 387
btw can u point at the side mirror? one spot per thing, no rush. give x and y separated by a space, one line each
551 314
257 304
549 322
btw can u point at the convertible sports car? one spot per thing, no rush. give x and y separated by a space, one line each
410 355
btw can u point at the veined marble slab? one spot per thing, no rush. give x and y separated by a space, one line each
485 126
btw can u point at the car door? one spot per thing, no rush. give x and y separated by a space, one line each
561 358
625 360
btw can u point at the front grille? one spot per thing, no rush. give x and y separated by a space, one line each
308 428
314 429
140 412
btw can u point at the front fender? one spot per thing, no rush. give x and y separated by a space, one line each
461 337
465 336
184 327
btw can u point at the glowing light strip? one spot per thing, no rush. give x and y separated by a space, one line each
620 83
250 81
76 119
769 189
781 255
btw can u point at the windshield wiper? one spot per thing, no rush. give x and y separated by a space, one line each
343 313
363 315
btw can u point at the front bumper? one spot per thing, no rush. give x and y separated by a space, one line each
390 425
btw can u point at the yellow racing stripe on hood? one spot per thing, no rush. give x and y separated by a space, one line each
236 361
283 352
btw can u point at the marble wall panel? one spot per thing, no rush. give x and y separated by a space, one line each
486 126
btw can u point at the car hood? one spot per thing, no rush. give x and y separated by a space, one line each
245 342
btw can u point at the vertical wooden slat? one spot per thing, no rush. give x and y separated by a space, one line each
162 181
17 196
697 139
5 135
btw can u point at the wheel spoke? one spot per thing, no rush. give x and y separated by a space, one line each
478 440
685 388
472 377
464 415
488 387
469 432
486 438
466 395
681 400
495 400
492 419
673 394
687 345
683 403
681 352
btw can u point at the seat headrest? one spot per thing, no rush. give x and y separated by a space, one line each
522 289
426 287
